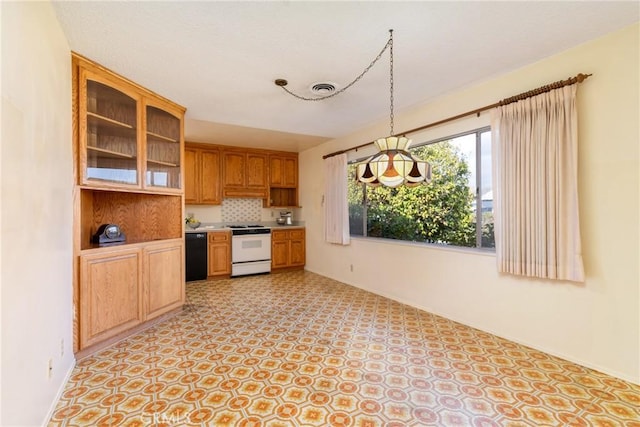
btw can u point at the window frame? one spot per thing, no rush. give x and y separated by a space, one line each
478 197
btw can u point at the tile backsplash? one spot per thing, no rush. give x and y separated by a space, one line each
235 210
241 210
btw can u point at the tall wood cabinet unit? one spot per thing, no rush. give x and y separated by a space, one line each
128 143
202 172
244 173
287 248
283 180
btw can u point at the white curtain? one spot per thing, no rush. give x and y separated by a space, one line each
535 181
336 209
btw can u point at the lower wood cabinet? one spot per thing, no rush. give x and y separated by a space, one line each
163 279
219 252
288 248
110 294
122 287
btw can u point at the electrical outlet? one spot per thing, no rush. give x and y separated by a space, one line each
50 369
62 347
351 267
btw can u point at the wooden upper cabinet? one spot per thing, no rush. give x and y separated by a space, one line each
162 146
216 171
256 172
283 171
210 177
128 137
191 176
244 174
109 123
202 176
233 169
283 180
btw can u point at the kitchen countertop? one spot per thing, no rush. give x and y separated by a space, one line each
207 227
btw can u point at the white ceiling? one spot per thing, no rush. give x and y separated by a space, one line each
220 59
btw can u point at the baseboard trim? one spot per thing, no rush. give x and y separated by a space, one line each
63 385
92 349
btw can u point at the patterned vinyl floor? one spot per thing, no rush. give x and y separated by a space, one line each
298 349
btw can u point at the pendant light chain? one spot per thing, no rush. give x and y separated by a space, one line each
394 165
366 70
391 79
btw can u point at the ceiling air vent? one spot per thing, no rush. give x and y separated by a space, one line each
323 88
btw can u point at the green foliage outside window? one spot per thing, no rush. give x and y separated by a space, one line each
441 211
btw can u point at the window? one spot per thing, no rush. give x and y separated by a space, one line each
455 208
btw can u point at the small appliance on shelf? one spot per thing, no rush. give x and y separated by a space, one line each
286 218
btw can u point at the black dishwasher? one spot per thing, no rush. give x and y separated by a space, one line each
196 256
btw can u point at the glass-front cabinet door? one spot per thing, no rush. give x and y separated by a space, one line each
108 133
163 137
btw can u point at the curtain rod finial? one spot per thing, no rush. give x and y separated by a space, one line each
582 77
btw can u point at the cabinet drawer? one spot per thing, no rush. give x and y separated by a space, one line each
287 234
218 236
279 235
297 234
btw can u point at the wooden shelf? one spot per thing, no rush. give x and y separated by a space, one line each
283 197
106 121
160 162
161 137
128 244
110 153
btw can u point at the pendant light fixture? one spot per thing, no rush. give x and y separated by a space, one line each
394 165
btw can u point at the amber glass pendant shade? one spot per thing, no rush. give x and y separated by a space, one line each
393 165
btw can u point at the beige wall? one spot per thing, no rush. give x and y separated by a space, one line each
36 212
597 323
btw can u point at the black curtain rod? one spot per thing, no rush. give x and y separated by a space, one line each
546 88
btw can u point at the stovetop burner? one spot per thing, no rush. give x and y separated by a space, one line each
246 226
